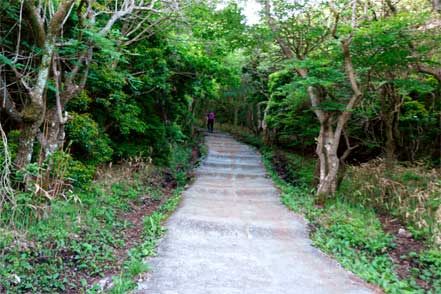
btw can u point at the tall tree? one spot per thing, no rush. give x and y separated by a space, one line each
299 32
48 52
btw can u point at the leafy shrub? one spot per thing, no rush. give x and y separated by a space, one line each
80 103
175 134
89 142
75 172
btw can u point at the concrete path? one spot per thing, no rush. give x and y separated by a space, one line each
231 235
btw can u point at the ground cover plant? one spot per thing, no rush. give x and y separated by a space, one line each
104 229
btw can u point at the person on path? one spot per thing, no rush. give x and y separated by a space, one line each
210 121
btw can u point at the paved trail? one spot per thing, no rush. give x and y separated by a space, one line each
231 235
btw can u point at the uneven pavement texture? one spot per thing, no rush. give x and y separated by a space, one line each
231 235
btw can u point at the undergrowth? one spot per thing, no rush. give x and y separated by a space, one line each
352 234
411 193
76 240
135 264
79 239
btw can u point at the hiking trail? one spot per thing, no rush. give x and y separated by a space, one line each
232 235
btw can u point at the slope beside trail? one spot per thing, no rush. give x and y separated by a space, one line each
232 235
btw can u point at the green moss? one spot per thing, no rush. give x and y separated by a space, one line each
32 112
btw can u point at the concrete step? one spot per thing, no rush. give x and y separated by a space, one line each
236 192
249 157
225 165
245 182
225 173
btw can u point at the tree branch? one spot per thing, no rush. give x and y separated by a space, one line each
36 22
355 99
285 48
435 72
349 148
6 103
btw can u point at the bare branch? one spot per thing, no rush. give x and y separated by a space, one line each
22 79
141 34
57 19
336 14
349 148
357 95
7 103
127 8
20 19
433 71
6 191
350 71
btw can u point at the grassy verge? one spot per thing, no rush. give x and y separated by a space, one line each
134 266
103 230
345 227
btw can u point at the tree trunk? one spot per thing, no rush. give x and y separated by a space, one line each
436 5
259 118
390 104
33 113
26 140
266 131
326 150
390 144
329 137
54 136
236 116
251 121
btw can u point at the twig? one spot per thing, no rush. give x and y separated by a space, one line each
6 191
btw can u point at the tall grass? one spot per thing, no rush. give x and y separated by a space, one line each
411 193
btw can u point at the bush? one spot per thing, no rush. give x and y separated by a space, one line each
89 142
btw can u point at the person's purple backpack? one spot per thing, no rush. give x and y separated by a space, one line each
211 116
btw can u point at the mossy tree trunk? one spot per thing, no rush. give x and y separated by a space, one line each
26 142
33 113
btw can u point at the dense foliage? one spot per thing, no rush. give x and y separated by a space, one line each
353 86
